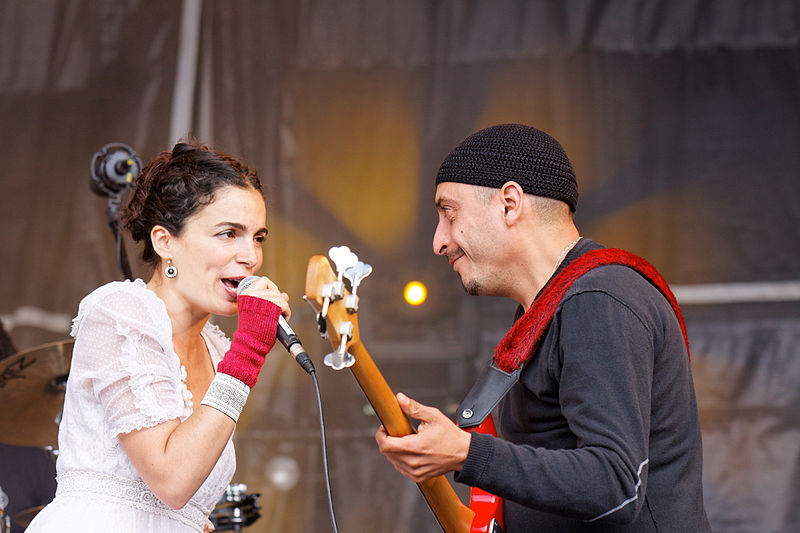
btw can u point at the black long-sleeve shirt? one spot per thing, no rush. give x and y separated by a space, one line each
601 433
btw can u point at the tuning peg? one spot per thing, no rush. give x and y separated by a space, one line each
330 293
322 326
343 258
355 274
341 358
338 360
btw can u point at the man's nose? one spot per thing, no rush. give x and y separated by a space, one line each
440 237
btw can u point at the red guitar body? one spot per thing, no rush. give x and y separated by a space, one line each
488 507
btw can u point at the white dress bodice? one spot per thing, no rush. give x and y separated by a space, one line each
124 375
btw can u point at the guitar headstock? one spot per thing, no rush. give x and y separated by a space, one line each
335 305
337 314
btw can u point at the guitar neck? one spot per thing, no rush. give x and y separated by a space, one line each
453 516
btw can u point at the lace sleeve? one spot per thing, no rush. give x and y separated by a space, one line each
218 343
123 354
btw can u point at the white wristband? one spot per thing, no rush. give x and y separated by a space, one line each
227 395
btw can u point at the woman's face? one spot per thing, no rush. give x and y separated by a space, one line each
219 245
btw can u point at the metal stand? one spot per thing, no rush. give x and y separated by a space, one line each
5 520
236 509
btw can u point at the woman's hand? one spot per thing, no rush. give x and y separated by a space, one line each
266 289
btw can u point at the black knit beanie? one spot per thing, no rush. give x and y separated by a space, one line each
513 152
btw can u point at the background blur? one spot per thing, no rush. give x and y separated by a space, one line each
682 119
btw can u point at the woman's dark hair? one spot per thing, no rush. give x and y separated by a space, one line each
175 185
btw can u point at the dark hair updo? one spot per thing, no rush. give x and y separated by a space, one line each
175 185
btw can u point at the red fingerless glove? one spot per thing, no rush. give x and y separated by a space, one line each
252 341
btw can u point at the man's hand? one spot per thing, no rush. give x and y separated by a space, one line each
438 447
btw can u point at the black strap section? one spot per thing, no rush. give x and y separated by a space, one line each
485 394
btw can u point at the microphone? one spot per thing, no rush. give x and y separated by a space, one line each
285 334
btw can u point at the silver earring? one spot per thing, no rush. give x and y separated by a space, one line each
171 271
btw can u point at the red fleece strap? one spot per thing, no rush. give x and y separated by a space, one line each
522 340
252 341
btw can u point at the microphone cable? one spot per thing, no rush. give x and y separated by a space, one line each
324 451
287 337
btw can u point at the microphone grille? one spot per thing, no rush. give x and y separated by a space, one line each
246 282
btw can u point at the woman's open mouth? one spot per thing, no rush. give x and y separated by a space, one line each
231 284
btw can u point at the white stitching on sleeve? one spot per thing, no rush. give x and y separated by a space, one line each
629 500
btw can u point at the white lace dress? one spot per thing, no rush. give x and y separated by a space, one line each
124 375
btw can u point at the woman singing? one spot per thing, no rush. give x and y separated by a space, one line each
155 390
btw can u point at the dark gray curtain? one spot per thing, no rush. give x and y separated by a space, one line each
73 76
682 120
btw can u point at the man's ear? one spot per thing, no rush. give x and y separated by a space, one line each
512 197
161 240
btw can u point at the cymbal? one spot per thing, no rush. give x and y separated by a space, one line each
32 386
24 518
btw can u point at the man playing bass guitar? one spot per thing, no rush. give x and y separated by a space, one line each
592 386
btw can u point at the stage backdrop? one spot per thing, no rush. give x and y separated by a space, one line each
682 120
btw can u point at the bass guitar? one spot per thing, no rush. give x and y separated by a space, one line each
336 306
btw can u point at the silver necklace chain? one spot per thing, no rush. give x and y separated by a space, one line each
564 253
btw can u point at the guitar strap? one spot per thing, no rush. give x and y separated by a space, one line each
490 387
522 340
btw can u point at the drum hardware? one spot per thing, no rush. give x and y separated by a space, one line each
51 451
236 509
5 520
58 383
32 388
25 517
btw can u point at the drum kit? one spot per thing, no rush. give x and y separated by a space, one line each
236 509
32 388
